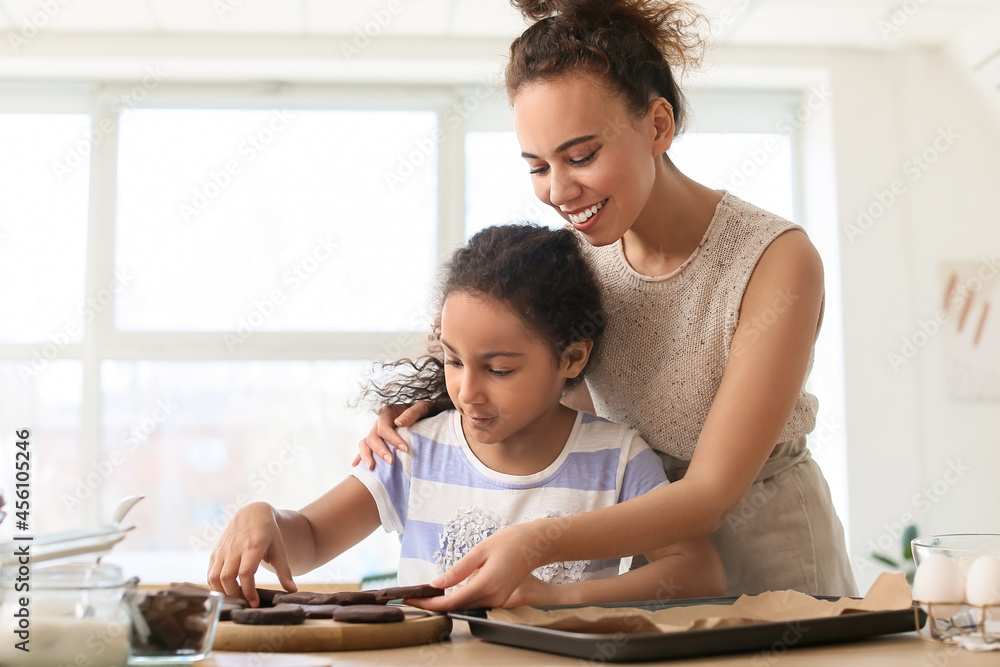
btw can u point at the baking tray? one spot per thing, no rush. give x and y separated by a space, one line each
636 647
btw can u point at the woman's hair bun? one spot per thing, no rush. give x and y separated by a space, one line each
676 28
635 45
537 10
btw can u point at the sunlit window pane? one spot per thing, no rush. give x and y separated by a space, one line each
276 220
497 184
47 404
202 439
44 177
755 167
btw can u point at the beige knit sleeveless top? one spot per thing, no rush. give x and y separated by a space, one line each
668 337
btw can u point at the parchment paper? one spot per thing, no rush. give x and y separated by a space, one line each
889 592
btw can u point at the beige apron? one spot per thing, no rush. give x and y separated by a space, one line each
785 533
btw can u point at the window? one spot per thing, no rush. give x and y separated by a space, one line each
203 282
272 220
43 232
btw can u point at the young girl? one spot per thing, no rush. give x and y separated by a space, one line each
519 318
713 309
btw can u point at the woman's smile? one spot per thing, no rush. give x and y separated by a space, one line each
584 219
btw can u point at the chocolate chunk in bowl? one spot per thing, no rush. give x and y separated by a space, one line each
169 627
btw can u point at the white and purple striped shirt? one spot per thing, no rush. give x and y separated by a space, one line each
442 500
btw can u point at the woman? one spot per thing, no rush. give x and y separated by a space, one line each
713 308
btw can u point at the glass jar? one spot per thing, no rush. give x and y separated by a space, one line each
63 614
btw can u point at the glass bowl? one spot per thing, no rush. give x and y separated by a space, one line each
170 628
63 614
962 547
964 623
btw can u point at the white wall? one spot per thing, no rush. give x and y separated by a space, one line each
914 454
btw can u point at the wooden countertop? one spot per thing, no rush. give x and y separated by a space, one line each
462 649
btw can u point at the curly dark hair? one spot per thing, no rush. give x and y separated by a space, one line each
539 273
634 45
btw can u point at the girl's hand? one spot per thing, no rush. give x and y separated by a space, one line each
384 431
500 564
251 538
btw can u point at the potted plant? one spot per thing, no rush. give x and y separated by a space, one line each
905 563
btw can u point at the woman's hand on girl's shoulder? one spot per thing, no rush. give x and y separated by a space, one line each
383 432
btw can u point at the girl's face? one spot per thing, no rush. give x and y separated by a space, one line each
589 158
503 379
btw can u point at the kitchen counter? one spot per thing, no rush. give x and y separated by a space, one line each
463 650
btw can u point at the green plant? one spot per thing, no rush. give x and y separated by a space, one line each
905 563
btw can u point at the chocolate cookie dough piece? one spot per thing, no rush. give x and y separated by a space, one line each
401 592
287 615
267 596
315 610
226 610
229 602
305 597
178 588
351 598
302 597
184 588
368 613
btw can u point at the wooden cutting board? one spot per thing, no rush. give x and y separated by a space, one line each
317 635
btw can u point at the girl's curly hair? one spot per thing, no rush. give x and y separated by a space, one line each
634 45
539 273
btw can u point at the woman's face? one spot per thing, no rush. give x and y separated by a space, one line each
589 158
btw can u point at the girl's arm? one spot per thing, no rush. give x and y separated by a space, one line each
689 569
290 542
761 383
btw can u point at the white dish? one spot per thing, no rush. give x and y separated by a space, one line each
64 545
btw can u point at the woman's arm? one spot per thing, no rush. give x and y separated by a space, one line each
761 383
690 569
290 542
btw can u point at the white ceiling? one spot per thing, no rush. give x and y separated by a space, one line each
835 23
